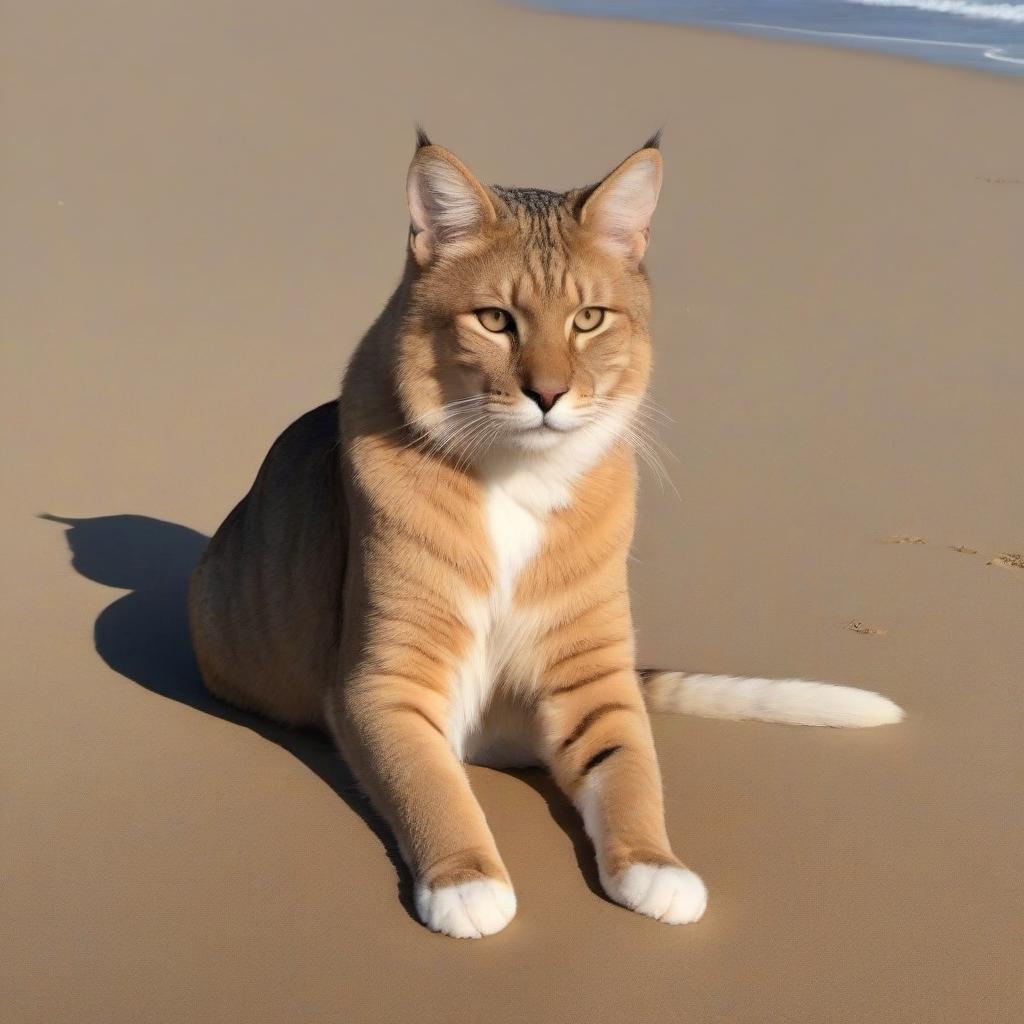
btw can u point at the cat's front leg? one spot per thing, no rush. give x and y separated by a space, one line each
601 754
392 730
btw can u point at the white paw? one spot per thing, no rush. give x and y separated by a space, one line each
670 894
466 911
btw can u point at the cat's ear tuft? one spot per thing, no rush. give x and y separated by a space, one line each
447 204
654 142
620 208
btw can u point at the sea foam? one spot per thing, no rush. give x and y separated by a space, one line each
964 8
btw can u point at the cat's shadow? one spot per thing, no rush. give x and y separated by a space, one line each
144 636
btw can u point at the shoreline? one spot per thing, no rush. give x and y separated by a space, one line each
995 58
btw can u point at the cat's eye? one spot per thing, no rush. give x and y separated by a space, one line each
588 319
497 321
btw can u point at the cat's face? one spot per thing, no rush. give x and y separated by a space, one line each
528 317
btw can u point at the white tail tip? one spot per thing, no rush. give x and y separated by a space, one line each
792 701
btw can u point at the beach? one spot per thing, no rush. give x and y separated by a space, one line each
205 209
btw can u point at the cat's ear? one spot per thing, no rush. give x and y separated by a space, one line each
619 209
446 203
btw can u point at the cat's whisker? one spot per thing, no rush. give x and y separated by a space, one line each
651 408
642 423
644 447
482 440
655 441
469 441
449 417
449 443
448 411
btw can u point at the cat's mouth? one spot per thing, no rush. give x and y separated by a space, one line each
542 436
547 427
533 429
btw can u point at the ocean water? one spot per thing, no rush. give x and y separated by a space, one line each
985 36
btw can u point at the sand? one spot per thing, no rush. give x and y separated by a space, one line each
204 209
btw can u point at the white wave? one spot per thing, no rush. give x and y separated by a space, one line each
997 53
963 8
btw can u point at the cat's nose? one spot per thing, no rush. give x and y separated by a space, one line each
544 397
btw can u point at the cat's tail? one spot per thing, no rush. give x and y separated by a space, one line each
794 701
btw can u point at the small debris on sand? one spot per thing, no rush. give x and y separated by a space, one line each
903 539
860 627
963 549
1008 561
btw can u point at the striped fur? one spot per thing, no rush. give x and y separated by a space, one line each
433 568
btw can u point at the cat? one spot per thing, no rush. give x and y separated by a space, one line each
433 567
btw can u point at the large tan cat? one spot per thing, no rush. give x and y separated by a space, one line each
433 568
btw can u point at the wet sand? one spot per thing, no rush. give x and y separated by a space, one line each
203 210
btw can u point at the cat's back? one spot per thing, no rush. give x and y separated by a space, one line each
265 599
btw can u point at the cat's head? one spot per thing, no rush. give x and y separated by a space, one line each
527 318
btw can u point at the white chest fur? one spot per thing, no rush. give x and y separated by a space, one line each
501 632
520 493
